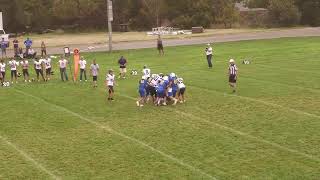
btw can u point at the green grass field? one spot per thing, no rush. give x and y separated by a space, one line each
270 129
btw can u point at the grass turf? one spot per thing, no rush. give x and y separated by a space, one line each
268 130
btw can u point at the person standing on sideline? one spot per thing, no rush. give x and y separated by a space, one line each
2 71
233 75
209 52
83 64
94 68
28 44
25 70
47 63
63 68
13 67
16 47
43 49
110 82
38 67
160 45
3 46
123 67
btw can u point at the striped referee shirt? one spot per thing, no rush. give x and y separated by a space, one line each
233 69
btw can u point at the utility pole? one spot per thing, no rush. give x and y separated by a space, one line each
110 19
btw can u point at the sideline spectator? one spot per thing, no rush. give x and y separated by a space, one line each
16 47
28 44
160 45
3 46
30 54
43 49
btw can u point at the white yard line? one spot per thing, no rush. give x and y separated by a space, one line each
234 131
29 158
261 102
137 141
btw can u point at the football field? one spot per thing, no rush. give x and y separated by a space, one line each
269 129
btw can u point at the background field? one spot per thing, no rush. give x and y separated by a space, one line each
269 130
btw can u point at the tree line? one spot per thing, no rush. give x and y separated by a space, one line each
144 14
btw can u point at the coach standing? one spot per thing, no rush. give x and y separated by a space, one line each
209 52
160 45
123 67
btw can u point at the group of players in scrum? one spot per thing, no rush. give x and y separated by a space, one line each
160 88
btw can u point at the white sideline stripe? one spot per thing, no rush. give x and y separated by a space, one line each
234 131
122 135
27 157
260 101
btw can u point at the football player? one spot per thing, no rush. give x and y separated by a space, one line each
182 89
142 91
110 82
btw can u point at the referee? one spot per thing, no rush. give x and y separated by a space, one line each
233 75
209 52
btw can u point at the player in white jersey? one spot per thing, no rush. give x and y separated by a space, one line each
146 71
13 64
182 89
110 82
47 63
25 70
63 68
38 67
83 71
95 72
2 71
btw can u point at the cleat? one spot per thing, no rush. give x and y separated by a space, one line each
175 102
138 104
141 105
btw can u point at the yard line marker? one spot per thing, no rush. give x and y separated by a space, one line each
29 158
234 131
107 128
260 101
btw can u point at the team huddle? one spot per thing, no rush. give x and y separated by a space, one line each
161 89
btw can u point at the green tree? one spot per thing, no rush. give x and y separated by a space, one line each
310 10
284 12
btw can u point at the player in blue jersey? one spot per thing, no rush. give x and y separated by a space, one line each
142 91
161 91
174 84
170 83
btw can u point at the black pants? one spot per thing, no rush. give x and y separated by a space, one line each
3 75
25 73
209 59
83 71
39 72
43 52
63 73
13 74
